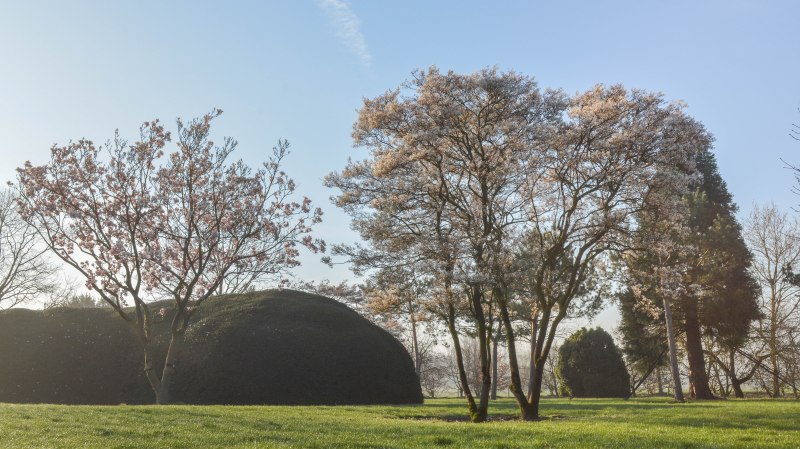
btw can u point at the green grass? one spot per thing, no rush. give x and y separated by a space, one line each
580 423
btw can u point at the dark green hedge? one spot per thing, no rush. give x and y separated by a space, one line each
590 366
272 347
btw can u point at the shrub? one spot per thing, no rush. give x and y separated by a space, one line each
591 365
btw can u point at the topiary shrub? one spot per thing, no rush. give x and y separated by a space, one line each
272 347
590 366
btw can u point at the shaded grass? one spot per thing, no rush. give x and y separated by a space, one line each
580 423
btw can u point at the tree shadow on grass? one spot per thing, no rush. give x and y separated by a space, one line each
726 423
490 418
577 405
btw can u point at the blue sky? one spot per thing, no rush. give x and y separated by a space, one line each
299 70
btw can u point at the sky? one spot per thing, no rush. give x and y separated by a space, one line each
299 70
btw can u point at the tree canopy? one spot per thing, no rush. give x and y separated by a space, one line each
461 168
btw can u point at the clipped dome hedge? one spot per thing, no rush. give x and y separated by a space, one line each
591 366
271 347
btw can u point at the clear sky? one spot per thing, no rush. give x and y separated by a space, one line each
299 70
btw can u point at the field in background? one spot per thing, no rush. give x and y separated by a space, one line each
580 423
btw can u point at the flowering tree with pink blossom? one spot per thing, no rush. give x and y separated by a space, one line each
138 224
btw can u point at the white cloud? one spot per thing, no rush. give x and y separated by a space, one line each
347 28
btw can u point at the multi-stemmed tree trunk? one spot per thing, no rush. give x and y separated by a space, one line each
478 409
529 409
736 382
476 296
730 368
162 386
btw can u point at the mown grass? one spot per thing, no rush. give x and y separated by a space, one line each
580 423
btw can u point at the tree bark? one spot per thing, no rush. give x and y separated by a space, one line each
737 388
773 360
415 346
533 409
476 298
531 363
673 352
494 365
525 409
544 342
773 339
164 395
694 352
149 373
462 373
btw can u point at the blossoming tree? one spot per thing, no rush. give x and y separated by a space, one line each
461 167
138 224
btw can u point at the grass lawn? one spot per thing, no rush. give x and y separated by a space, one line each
584 423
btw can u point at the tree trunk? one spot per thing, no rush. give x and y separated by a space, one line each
476 298
415 347
715 382
531 363
773 341
533 409
483 402
737 388
149 373
773 360
164 396
544 341
673 352
149 369
526 412
694 352
494 365
658 381
462 373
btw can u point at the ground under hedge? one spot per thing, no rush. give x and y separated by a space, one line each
580 423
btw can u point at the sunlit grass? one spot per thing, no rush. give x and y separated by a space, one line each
635 423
